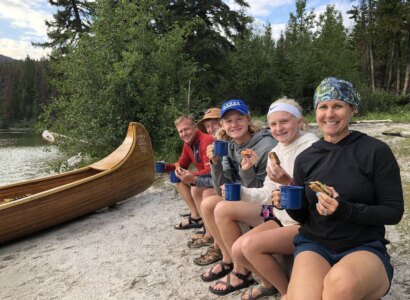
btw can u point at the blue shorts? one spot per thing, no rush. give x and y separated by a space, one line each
376 247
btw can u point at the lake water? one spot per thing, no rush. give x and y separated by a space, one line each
24 155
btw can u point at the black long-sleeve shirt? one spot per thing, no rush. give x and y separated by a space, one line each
365 173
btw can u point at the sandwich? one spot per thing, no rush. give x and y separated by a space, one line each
274 157
319 187
247 153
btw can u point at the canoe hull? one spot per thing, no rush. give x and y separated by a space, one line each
130 173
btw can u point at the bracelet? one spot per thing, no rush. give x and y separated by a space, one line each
292 182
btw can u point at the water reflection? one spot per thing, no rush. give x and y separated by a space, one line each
20 138
24 155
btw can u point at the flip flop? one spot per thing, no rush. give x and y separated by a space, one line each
192 223
229 287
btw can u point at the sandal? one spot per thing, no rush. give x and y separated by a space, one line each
264 292
192 223
246 282
226 269
201 231
210 256
200 242
187 214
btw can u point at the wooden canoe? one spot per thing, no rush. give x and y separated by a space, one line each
52 200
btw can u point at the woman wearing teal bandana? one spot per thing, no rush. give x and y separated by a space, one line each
341 247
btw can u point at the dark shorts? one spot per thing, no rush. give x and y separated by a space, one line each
376 247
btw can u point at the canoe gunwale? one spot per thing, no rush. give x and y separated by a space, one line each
74 183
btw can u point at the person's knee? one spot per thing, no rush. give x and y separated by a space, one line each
222 212
339 284
237 253
247 246
208 205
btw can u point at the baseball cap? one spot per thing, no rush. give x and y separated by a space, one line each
212 113
235 104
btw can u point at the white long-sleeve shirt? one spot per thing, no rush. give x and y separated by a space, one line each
287 155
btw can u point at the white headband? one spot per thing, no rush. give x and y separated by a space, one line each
284 107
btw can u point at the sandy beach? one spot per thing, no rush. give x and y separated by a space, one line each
132 251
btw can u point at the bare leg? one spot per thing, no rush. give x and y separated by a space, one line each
198 194
259 247
185 192
239 257
208 206
227 215
306 282
359 275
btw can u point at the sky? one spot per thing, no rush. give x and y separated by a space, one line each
23 21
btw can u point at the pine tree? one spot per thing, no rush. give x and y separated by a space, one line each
332 51
299 37
73 18
214 27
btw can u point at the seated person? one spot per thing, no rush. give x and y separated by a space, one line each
193 185
253 250
210 123
341 246
249 170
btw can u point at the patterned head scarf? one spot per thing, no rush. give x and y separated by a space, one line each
336 89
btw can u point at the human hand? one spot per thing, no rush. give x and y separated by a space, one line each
210 153
185 176
249 159
222 187
276 199
327 205
277 174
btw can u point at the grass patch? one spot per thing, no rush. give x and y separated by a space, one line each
399 116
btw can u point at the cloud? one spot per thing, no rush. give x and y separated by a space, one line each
30 17
341 6
277 28
261 7
265 7
19 49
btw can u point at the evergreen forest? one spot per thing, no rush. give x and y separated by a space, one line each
116 61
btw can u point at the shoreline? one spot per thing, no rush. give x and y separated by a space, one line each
130 251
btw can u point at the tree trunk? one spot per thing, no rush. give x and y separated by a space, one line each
77 16
407 74
406 79
370 48
390 67
398 78
371 66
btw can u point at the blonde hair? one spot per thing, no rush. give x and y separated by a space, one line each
183 118
295 104
254 127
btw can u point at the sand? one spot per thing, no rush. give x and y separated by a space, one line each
131 251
